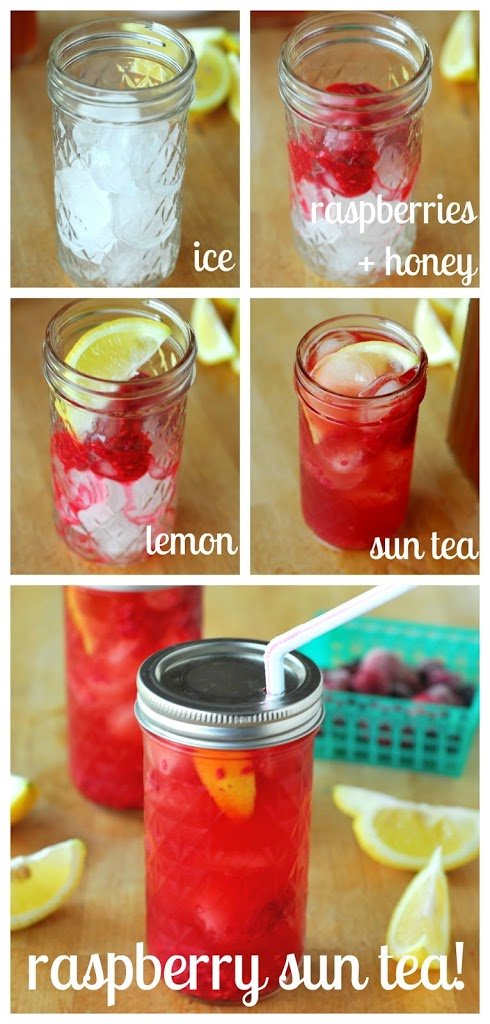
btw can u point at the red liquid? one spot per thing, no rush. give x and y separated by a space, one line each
108 635
356 465
227 879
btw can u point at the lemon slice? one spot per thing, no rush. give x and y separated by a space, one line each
41 882
458 61
431 333
231 42
214 344
444 308
116 349
404 835
80 619
353 800
23 796
458 323
213 80
420 923
200 38
230 781
353 368
235 328
226 305
234 95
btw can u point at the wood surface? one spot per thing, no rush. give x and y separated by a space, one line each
449 163
350 897
209 480
441 497
211 185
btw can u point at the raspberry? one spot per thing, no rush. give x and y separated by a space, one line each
69 451
300 159
124 456
349 163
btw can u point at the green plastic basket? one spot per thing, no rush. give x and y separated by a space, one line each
390 731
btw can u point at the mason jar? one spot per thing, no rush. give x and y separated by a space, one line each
116 445
121 92
356 443
354 88
227 798
109 631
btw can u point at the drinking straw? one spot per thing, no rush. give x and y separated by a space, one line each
305 631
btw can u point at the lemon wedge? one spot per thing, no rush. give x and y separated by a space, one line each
81 620
234 94
116 349
230 781
214 344
231 42
352 369
213 80
458 61
420 923
458 323
23 796
444 308
433 336
41 882
226 305
404 835
200 38
353 800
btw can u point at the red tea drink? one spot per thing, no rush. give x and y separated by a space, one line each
360 381
108 634
227 808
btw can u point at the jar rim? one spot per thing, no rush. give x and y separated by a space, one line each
60 375
315 102
381 325
178 90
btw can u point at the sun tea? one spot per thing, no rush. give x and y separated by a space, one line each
360 381
109 633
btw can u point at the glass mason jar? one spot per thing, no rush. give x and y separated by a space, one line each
227 780
116 446
121 93
354 87
109 631
356 451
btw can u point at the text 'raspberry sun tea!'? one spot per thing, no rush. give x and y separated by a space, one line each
227 800
360 381
118 374
109 632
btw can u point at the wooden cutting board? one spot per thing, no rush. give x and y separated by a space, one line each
441 497
350 897
449 162
209 481
211 187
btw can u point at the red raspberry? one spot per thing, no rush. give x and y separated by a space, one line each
69 451
300 159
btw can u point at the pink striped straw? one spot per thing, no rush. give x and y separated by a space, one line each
305 631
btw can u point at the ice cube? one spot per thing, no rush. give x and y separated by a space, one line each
115 537
344 465
151 502
144 219
83 213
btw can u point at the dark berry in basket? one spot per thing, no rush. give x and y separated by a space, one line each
465 692
376 671
439 693
382 673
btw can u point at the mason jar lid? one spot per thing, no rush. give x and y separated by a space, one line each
211 693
